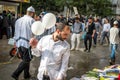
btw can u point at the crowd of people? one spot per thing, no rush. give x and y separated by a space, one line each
54 61
7 22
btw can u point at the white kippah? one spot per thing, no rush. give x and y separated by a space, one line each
31 9
115 22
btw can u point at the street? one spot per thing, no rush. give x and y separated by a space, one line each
80 62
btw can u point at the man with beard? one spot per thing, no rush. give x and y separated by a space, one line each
54 51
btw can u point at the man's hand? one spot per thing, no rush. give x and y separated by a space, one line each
92 35
106 31
94 31
33 42
15 45
81 32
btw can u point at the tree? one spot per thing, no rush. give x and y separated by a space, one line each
87 7
98 7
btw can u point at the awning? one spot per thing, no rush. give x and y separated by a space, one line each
8 3
26 1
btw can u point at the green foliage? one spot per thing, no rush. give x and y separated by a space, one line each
87 7
92 74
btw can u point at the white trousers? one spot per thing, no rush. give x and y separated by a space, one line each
73 38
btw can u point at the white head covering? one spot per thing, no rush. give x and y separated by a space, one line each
30 9
115 22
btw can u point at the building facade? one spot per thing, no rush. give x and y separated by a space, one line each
116 6
11 5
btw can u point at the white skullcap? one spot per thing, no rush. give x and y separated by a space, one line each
30 9
115 22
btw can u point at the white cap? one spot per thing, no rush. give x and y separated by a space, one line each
30 9
115 22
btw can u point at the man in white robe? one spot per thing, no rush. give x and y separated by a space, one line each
54 51
22 36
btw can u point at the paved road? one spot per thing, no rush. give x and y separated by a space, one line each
80 62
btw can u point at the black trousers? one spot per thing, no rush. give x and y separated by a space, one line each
4 31
104 34
25 64
88 37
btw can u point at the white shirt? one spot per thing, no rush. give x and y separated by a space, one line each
23 29
114 35
54 57
106 27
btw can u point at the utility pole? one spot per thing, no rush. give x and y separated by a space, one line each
21 7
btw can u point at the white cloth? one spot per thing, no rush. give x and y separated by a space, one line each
73 38
114 35
23 29
103 21
106 27
31 9
54 57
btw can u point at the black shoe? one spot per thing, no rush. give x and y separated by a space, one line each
15 77
28 77
85 50
111 62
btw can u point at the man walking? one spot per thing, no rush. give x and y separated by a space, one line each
22 36
114 41
105 32
76 34
90 29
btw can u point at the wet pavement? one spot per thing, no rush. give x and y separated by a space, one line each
80 62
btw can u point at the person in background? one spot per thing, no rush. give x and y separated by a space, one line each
52 30
5 25
105 31
62 19
90 32
36 17
76 34
9 17
54 51
114 41
76 16
13 24
1 20
18 16
97 33
22 36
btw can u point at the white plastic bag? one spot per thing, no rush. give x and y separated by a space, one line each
74 78
11 41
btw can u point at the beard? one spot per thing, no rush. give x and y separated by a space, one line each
60 38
